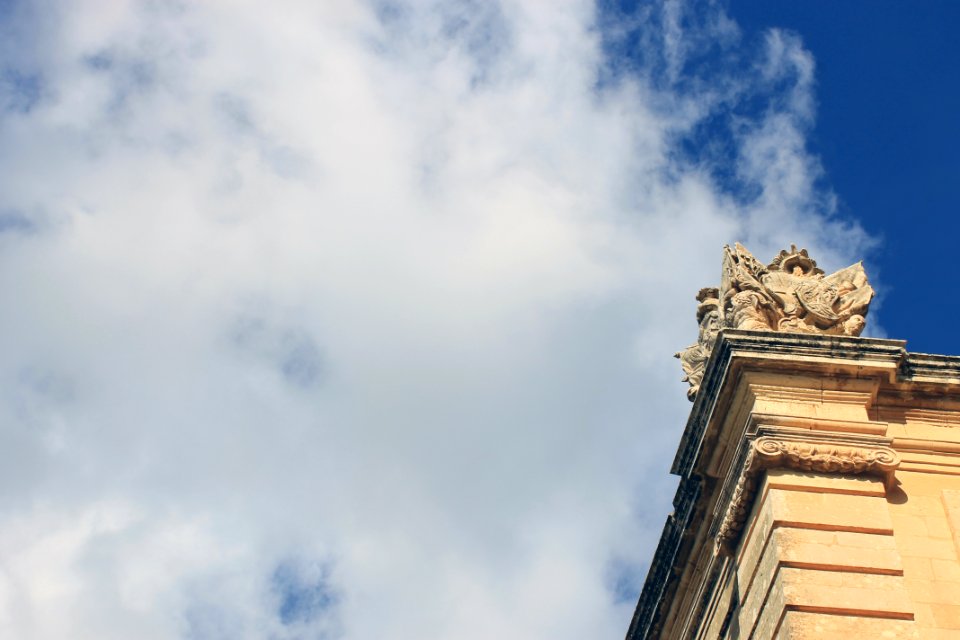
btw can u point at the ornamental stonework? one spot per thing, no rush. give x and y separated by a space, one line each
790 294
818 457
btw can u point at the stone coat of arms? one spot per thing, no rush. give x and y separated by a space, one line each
790 294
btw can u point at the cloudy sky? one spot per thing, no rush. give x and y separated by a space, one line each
354 319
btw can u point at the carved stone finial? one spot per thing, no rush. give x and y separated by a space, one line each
790 294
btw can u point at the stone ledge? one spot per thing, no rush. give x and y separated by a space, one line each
736 348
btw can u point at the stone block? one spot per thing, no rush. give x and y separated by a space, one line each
861 552
804 625
946 616
933 591
944 570
848 593
937 527
919 504
841 512
789 479
926 547
917 568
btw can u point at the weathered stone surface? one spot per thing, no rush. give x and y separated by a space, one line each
694 358
803 625
850 525
766 453
791 294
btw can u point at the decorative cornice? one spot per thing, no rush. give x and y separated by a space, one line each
925 367
762 348
821 457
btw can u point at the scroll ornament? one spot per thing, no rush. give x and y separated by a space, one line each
790 294
768 453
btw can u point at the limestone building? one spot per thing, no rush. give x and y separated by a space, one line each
819 491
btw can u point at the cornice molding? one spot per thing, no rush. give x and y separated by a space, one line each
736 348
925 367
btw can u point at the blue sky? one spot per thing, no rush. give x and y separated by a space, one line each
887 135
356 319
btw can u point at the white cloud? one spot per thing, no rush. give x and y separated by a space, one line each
381 293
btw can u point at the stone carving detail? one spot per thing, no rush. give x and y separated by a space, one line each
790 294
694 358
768 453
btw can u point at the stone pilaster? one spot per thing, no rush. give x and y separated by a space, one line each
819 495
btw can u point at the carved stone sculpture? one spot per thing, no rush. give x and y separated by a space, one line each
790 294
694 358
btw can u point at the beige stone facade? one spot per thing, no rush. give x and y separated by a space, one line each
819 496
